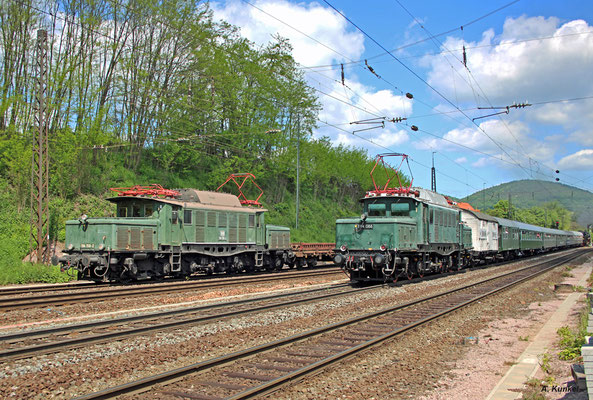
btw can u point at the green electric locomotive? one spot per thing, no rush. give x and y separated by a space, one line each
160 232
403 231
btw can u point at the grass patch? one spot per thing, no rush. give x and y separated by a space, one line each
545 363
15 273
572 340
524 338
533 391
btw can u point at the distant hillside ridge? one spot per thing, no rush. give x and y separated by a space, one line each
529 193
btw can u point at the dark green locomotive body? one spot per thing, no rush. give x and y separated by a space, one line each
402 234
153 237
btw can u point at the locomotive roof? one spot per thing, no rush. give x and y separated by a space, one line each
480 215
193 198
425 195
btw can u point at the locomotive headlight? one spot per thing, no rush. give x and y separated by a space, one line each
343 247
70 246
101 247
383 247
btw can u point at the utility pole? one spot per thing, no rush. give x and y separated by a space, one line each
40 158
483 196
433 176
298 168
510 207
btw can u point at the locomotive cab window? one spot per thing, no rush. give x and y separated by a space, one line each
122 210
187 216
136 210
400 209
377 210
251 220
148 210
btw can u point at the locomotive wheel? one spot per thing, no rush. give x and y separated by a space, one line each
420 268
410 272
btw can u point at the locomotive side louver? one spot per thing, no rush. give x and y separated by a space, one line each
135 238
122 237
147 238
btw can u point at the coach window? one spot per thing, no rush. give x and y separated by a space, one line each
187 216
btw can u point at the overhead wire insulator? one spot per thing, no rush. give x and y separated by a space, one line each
464 57
342 74
371 69
409 96
414 128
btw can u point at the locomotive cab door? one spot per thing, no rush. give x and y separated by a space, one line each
260 238
425 223
176 225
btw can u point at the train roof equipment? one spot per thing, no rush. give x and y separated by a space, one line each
391 173
152 190
242 197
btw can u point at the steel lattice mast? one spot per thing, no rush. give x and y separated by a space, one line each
40 157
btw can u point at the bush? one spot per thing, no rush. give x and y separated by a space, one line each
17 273
570 342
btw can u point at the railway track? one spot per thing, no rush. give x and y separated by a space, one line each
78 285
44 341
264 368
82 296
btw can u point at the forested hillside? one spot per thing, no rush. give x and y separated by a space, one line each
527 194
157 92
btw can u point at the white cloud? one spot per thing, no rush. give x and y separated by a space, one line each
507 143
512 67
581 160
343 104
509 71
461 160
321 23
482 162
377 139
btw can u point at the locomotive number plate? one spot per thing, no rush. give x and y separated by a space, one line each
364 226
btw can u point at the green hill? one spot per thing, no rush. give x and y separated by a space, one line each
530 193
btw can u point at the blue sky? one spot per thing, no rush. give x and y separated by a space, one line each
516 51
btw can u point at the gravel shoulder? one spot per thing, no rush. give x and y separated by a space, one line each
433 362
89 369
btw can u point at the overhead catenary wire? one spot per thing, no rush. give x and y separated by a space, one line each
318 90
367 110
426 83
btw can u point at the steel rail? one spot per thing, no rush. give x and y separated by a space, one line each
273 385
179 373
58 345
5 291
13 303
